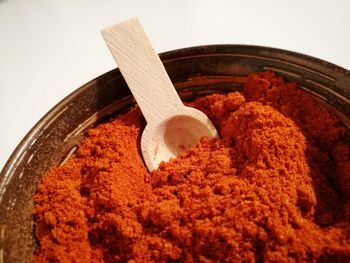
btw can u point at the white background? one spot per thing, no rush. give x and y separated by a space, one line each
48 48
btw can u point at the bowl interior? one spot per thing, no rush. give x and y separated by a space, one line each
194 71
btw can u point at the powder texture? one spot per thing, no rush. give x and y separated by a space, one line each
274 188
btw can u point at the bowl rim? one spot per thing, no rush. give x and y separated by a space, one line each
20 150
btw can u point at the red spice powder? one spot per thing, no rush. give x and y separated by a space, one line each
274 188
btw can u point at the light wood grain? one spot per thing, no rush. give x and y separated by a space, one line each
171 127
143 71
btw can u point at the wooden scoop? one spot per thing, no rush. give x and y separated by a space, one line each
171 126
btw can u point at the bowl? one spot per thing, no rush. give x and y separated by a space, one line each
194 71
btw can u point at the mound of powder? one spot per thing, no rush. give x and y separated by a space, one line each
274 188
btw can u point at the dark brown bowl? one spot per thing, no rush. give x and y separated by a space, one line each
194 71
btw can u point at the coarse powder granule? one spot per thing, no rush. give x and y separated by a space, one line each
274 188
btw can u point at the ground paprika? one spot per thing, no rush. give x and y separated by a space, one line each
274 188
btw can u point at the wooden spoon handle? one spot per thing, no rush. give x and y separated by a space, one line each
143 71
